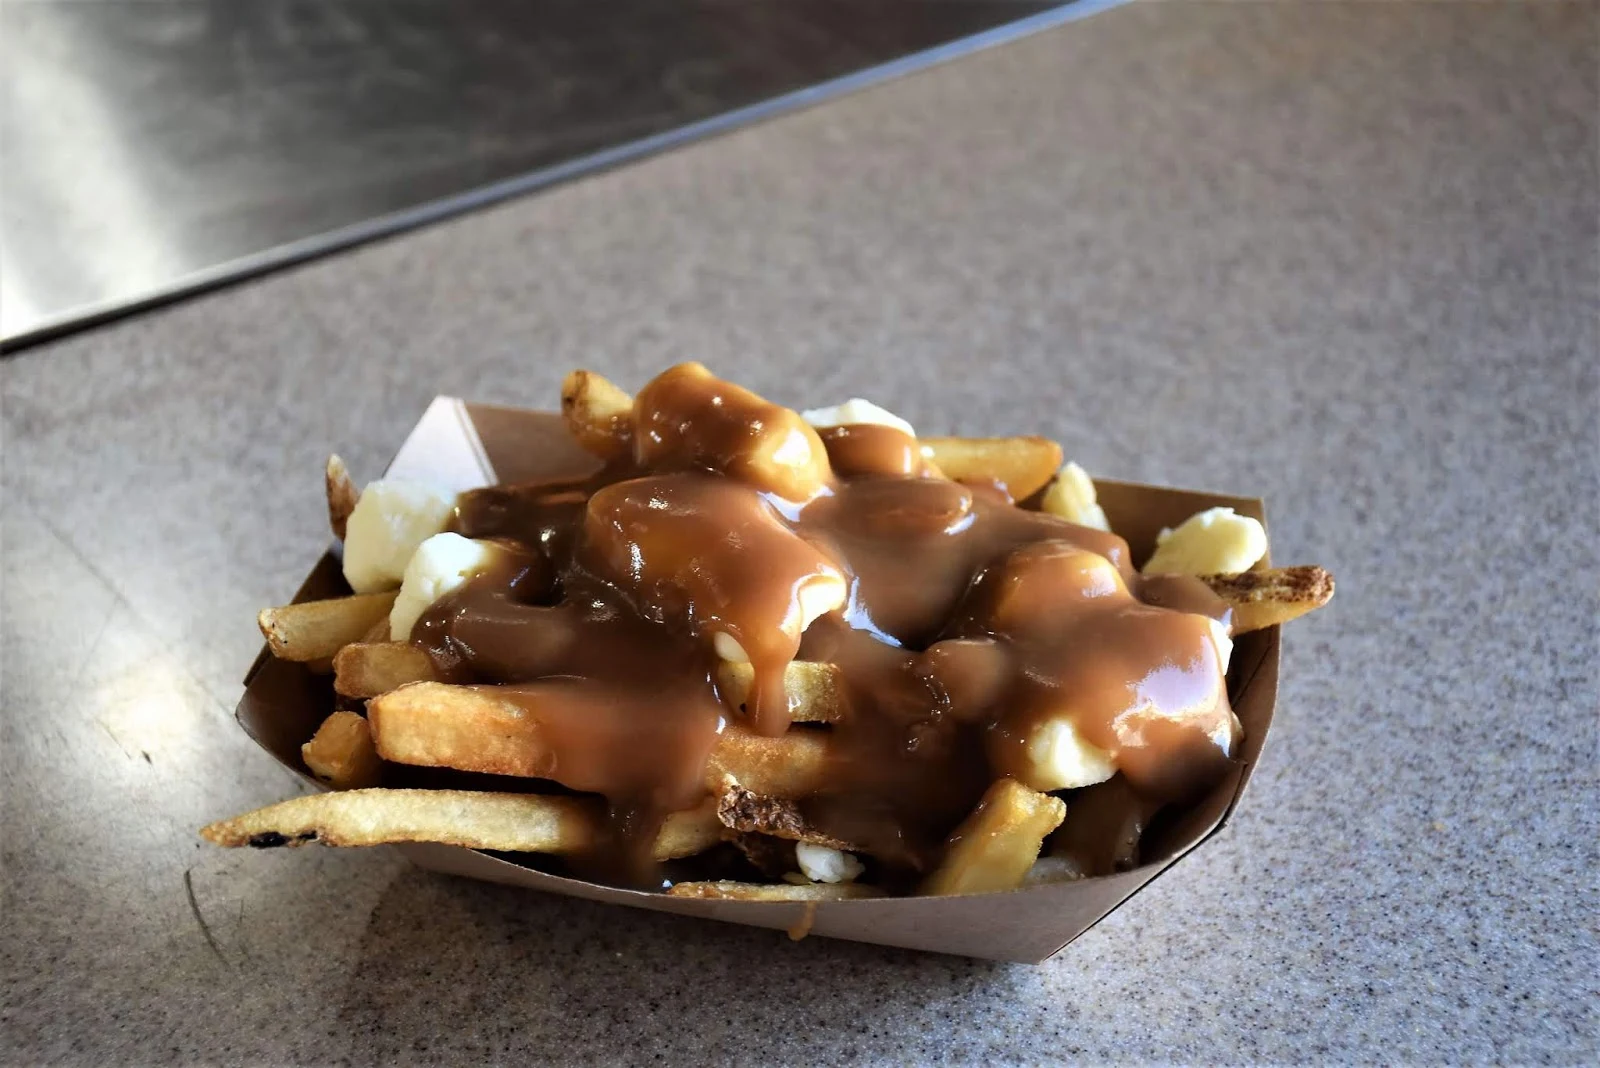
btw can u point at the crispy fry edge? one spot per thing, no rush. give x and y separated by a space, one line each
431 724
369 669
1273 596
728 890
997 844
521 823
342 495
1023 464
315 630
598 414
341 753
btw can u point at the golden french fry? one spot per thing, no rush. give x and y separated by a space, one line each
1022 465
366 669
378 633
341 753
312 630
518 823
1267 598
689 832
753 813
342 495
994 847
598 414
794 764
816 691
732 891
432 724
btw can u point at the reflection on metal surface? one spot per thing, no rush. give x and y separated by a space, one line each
152 149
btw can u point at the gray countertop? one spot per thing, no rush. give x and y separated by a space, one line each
1343 256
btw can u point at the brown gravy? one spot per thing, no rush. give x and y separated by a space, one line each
961 623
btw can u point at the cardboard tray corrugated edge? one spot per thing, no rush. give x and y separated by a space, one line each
461 445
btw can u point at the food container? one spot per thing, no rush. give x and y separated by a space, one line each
459 445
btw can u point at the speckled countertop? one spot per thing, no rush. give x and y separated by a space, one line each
1340 255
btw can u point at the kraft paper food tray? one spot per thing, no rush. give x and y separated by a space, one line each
460 445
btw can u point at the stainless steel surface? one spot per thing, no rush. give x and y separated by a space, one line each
158 147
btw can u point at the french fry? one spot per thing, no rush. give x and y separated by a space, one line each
525 823
598 414
734 891
342 495
994 847
794 764
517 823
1267 598
816 691
1021 464
432 724
341 753
753 813
469 728
367 669
312 630
689 832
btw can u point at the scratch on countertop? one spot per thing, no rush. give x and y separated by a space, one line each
194 907
103 725
122 599
244 947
